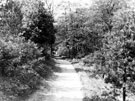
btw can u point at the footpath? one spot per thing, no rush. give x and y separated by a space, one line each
65 87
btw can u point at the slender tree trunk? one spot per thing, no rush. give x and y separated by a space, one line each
124 93
124 85
51 50
69 53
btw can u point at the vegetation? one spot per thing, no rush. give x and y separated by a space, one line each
41 30
23 52
103 35
105 31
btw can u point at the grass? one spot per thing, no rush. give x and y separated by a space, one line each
94 87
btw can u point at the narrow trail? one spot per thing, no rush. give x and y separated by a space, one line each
66 87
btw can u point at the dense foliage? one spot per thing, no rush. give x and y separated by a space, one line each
41 29
78 37
22 61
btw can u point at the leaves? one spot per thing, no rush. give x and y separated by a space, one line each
41 29
22 64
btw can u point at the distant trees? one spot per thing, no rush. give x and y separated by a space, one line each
77 34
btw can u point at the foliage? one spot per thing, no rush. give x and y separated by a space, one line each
77 34
22 61
97 98
22 64
11 18
115 59
41 29
106 32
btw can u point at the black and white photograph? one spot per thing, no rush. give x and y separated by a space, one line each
67 50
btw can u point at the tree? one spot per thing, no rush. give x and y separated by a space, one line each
41 30
11 18
76 31
21 61
121 60
117 60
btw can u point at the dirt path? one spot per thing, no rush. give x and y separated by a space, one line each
66 86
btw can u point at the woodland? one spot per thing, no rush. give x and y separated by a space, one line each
102 35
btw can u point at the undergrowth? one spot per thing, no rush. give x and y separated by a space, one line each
22 67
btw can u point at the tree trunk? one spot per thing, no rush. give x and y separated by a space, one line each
124 85
51 50
124 93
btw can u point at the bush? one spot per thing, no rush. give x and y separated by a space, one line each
97 98
22 62
94 58
63 51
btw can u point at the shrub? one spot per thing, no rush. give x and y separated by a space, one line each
97 98
63 51
22 62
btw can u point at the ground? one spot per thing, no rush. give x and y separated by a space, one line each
65 86
71 82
